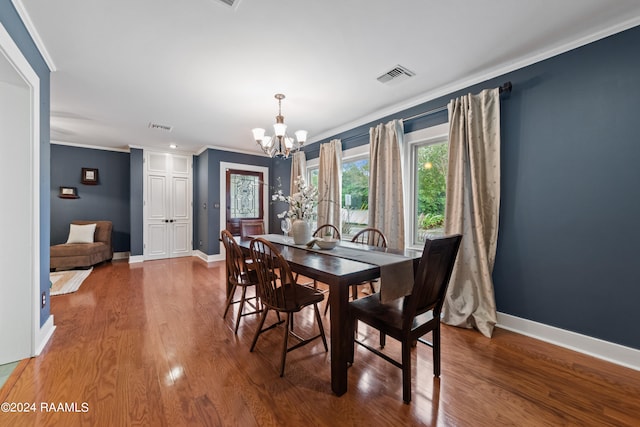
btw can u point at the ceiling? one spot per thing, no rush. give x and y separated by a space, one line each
210 71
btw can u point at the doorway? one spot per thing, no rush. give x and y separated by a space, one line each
245 197
167 205
264 184
19 170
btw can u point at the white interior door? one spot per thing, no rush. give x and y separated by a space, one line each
180 207
167 206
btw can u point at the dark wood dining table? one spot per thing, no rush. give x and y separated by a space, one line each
339 273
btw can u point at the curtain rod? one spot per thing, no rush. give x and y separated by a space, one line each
504 88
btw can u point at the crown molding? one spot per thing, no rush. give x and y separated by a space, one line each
92 147
231 150
479 78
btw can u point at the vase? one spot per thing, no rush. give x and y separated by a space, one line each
301 231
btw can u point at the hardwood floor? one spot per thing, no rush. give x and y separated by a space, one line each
145 344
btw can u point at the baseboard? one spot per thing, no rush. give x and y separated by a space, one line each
44 335
135 259
120 255
208 258
611 352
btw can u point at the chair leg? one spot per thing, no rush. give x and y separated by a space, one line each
321 327
373 289
259 330
383 339
436 350
352 341
326 307
406 371
285 343
242 301
229 299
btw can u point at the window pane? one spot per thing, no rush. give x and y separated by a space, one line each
245 197
313 177
355 196
430 190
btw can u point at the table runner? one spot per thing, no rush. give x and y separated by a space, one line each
396 271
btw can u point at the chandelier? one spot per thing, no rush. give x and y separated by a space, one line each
279 145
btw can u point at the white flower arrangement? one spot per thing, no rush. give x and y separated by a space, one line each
301 203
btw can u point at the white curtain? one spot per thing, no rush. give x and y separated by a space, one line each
386 201
298 168
330 183
473 202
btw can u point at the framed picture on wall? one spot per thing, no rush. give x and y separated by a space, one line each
68 193
89 176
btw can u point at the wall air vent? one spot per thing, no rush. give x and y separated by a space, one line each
397 74
160 127
231 3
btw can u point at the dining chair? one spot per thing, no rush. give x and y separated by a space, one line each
251 227
239 276
327 230
372 237
407 319
367 236
280 293
323 231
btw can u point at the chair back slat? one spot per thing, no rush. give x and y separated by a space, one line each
370 236
432 277
236 266
274 276
326 230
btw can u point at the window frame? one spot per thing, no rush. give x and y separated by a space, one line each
427 136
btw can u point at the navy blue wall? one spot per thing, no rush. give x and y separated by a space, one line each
201 201
136 158
207 175
280 175
16 29
567 250
567 246
108 200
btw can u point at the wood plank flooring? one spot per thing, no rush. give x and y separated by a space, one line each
146 345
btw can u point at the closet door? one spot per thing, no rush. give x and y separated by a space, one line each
180 207
167 206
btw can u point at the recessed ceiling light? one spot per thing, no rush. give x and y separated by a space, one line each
174 146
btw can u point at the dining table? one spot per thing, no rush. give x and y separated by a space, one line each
345 265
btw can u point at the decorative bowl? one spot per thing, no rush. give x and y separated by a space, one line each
327 244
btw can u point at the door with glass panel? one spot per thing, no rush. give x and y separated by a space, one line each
244 197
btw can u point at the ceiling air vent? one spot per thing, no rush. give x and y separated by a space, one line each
398 73
160 127
230 3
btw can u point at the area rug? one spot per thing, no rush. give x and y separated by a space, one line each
65 282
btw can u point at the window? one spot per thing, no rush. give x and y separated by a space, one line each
425 159
427 151
355 189
355 194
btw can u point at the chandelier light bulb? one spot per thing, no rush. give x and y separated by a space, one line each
258 134
279 129
301 136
